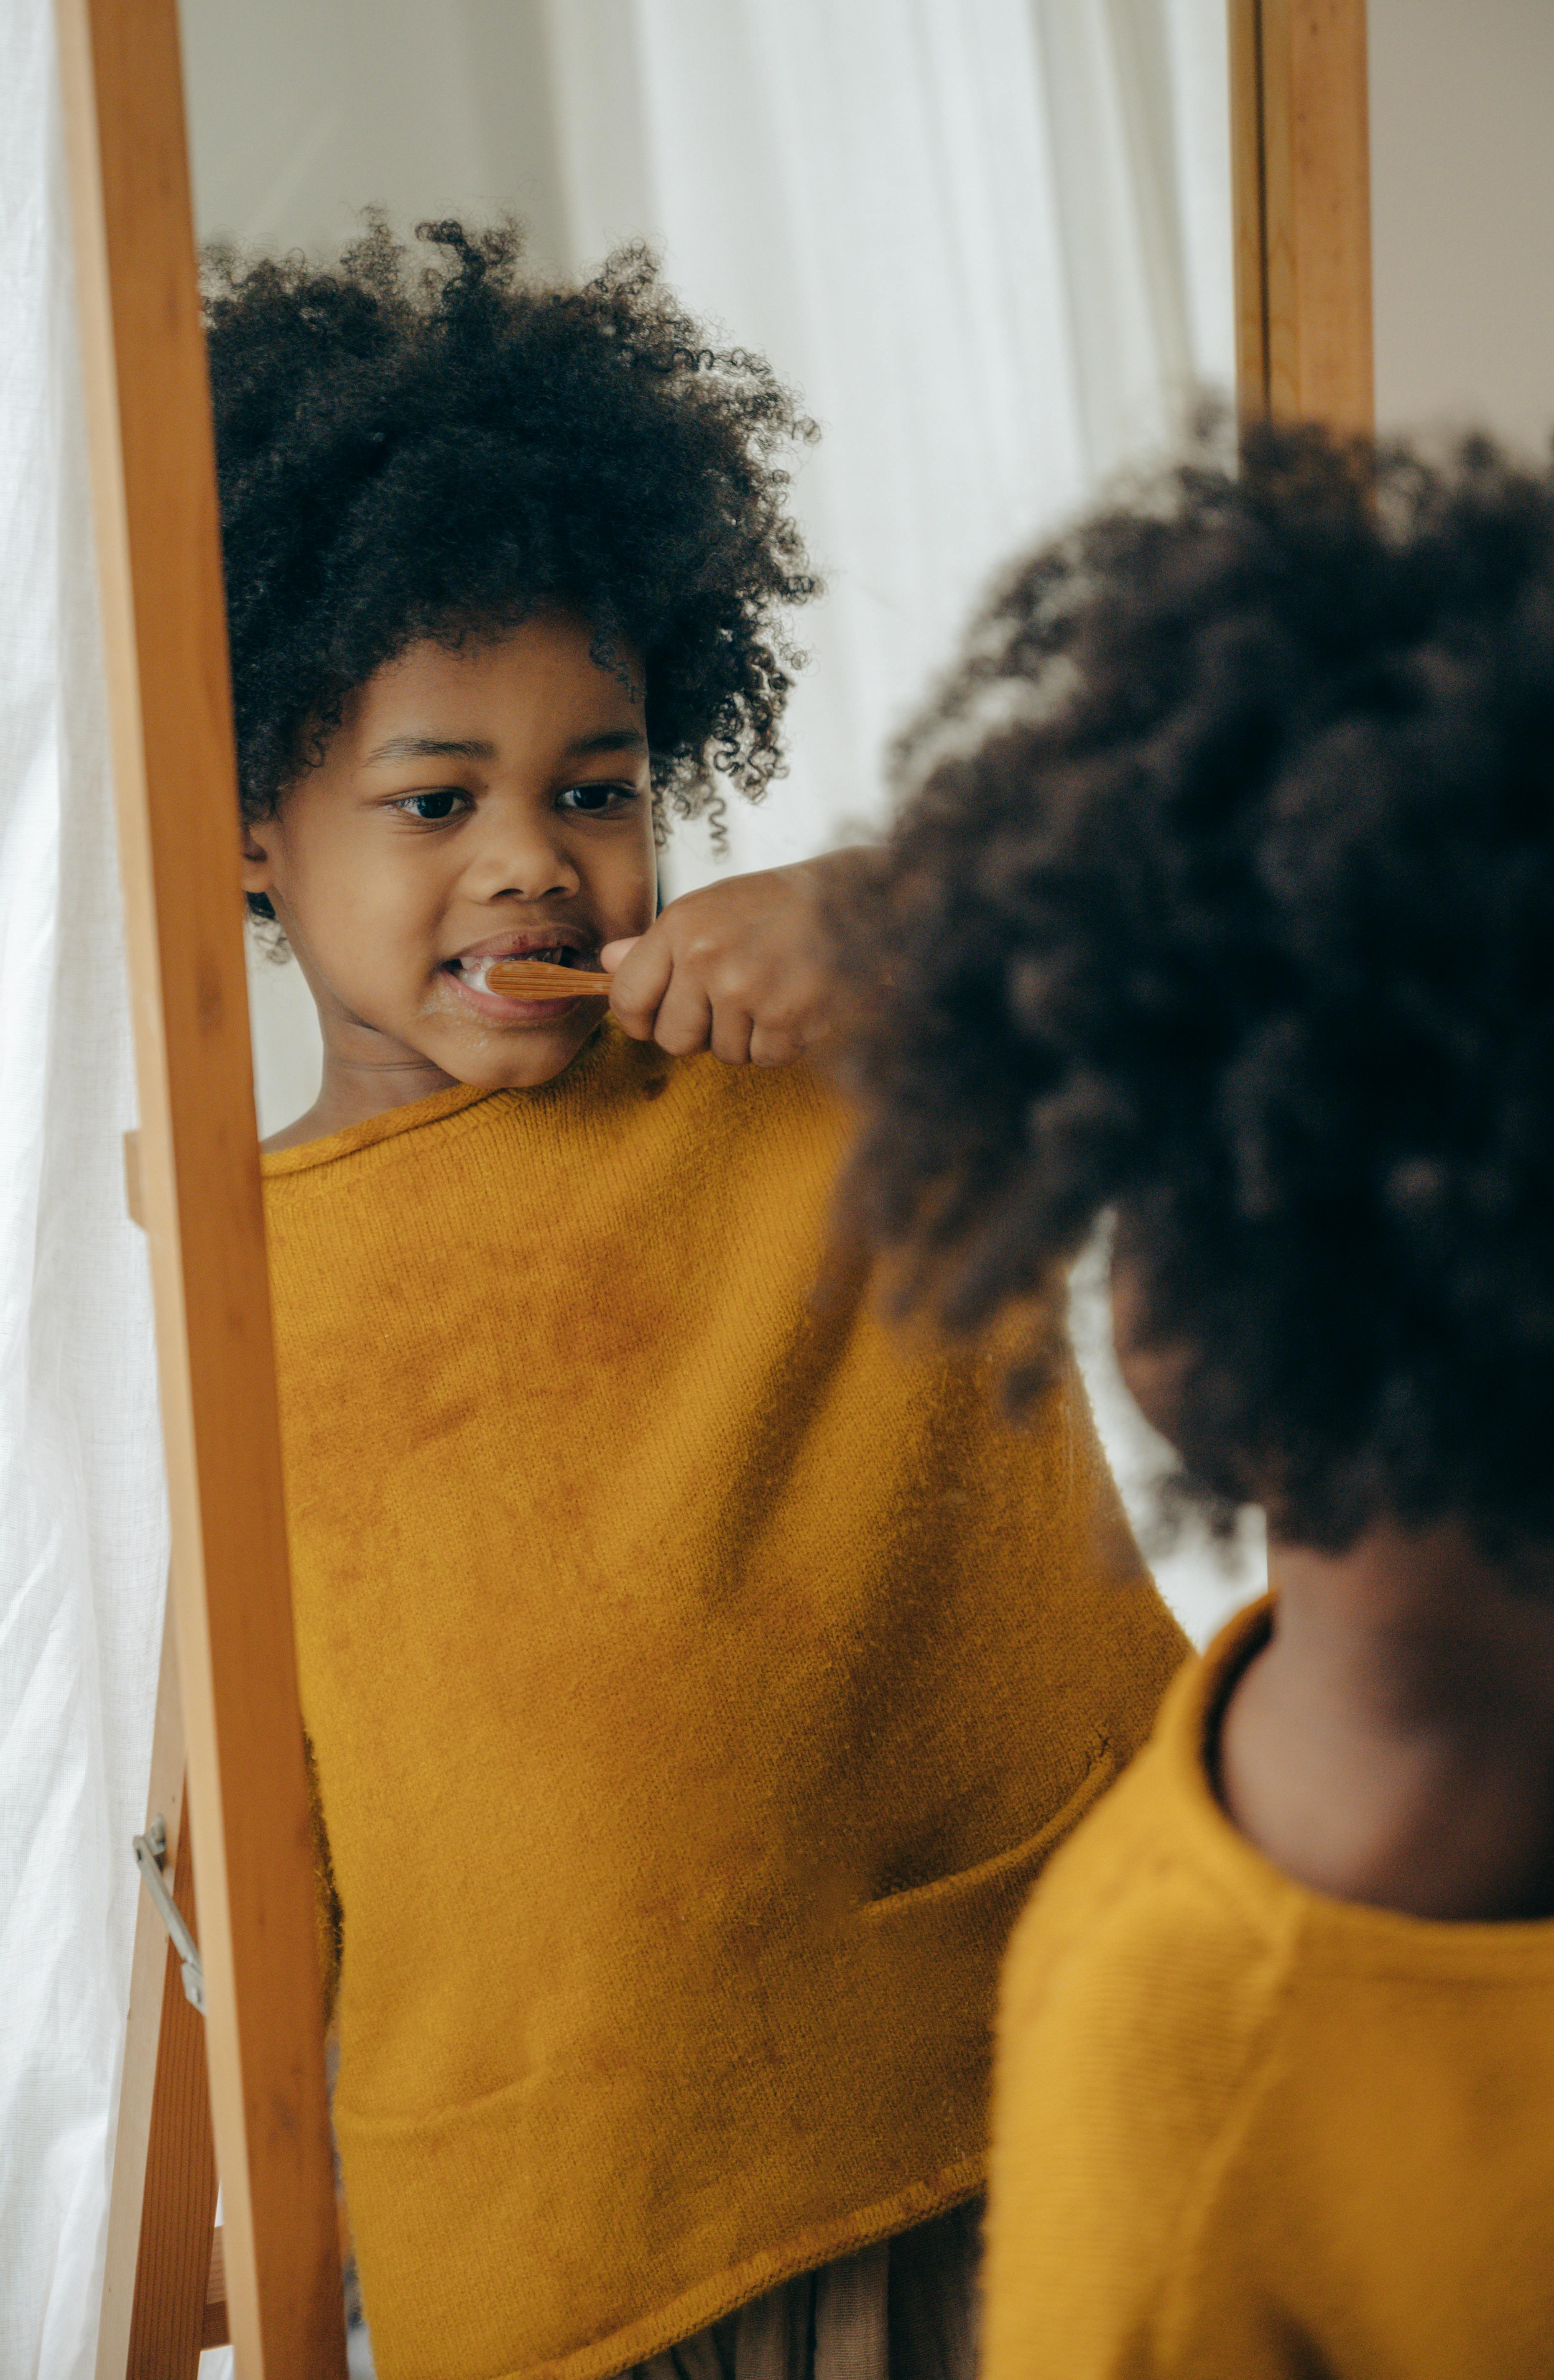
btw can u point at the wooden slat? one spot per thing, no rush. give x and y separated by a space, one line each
1307 93
148 1983
159 564
160 2263
215 2332
178 2205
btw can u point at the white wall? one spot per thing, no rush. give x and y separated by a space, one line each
301 112
1462 114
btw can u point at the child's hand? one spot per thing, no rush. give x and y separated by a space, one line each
741 968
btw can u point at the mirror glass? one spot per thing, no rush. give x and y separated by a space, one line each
989 246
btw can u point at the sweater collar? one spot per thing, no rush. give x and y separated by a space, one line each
414 1114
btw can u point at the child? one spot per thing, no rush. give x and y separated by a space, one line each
1243 933
693 1685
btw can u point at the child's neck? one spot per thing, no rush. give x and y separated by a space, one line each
354 1089
1394 1742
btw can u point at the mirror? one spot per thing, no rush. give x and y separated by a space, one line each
990 249
992 253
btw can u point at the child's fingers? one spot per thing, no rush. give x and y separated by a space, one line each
642 977
684 1023
778 1044
732 1029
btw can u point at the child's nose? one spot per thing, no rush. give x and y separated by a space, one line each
524 857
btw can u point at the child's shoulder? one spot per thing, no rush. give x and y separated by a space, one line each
1228 2106
1143 1989
1135 2008
1154 1912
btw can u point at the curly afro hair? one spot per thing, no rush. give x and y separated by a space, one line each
1237 923
408 452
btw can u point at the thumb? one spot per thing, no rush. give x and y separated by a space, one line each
609 957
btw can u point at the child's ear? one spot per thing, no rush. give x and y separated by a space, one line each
258 872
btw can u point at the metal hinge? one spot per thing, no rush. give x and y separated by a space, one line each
150 1850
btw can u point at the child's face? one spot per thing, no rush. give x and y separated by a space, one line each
472 805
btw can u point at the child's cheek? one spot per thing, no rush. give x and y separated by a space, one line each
622 884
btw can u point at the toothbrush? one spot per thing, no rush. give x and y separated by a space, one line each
542 979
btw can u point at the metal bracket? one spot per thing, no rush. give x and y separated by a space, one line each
150 1850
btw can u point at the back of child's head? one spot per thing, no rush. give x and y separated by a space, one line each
1238 924
408 451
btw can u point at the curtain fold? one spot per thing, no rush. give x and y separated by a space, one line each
990 245
83 1541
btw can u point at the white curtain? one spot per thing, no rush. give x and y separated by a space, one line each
991 244
83 1548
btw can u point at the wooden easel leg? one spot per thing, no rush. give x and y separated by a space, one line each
178 2209
162 2208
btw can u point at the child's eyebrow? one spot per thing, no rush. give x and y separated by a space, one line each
431 747
445 747
612 739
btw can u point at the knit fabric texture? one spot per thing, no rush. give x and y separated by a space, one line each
1242 2129
696 1682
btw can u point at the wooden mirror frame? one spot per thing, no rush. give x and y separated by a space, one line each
228 1699
236 1710
1300 174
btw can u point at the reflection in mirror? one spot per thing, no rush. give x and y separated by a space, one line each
989 249
992 253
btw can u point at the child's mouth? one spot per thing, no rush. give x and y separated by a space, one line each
470 973
474 971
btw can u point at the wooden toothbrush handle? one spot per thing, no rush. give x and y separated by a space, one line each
540 979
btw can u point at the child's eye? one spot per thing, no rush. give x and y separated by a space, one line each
433 808
594 800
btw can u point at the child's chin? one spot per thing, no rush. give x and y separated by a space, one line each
521 1062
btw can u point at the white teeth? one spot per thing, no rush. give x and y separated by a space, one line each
475 971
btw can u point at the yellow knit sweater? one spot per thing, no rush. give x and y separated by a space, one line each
695 1683
1247 2132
